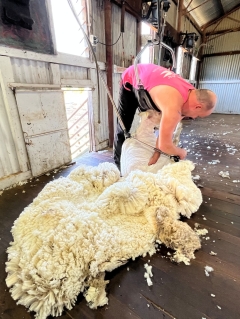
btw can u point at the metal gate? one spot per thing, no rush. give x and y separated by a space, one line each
76 103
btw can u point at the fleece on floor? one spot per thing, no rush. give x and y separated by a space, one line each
93 221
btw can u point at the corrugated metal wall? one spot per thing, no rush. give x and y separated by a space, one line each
123 52
37 72
172 15
29 71
223 43
8 156
116 86
186 26
125 49
226 23
98 28
221 73
102 132
73 72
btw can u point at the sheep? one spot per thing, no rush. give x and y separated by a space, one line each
135 155
91 222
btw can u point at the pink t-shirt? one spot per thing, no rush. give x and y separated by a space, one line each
152 75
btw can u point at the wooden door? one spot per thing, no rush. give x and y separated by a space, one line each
44 123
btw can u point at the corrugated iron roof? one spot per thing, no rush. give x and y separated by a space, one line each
206 11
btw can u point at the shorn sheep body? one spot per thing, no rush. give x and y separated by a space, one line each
136 155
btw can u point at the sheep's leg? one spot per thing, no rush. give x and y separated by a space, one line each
180 237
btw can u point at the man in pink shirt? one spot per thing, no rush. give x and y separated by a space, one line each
166 92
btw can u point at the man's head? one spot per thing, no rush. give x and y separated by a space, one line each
200 103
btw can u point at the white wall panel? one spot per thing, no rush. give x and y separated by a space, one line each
73 72
8 156
44 123
29 71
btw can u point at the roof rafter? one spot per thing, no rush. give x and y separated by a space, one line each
198 6
220 18
188 5
223 32
236 20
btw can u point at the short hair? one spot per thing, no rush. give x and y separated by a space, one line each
204 96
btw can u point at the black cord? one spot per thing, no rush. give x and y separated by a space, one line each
113 43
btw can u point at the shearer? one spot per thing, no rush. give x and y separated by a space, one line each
164 91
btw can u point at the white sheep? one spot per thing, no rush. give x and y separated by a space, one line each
136 155
94 221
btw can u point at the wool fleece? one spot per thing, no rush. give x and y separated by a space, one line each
93 221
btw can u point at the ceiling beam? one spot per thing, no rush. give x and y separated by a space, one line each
236 20
129 9
198 6
220 18
223 31
180 13
193 22
221 53
188 5
217 24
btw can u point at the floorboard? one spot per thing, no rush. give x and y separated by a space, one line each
178 291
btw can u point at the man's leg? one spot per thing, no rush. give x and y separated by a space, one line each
127 105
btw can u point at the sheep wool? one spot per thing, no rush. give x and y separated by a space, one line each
93 221
136 155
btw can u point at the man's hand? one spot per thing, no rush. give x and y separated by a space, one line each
181 152
154 158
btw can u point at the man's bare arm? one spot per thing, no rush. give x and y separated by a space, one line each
170 103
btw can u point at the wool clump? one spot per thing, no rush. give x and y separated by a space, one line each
94 221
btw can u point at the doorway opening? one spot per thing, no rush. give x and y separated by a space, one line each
79 121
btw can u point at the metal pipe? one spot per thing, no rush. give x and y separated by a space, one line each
150 42
161 38
160 29
138 57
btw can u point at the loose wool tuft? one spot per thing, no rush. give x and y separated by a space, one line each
94 221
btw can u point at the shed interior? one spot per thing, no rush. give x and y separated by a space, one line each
55 115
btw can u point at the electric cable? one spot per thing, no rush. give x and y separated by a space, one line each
112 43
